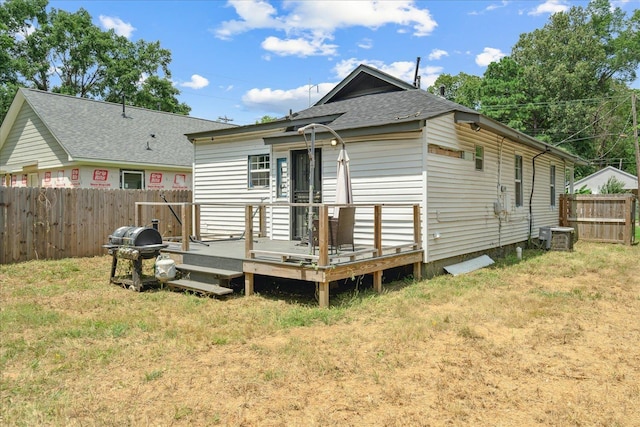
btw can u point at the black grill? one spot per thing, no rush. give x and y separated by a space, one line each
137 237
134 244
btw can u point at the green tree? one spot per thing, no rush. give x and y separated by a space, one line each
562 83
65 52
463 88
612 186
266 119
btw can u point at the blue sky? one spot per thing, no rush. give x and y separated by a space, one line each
245 59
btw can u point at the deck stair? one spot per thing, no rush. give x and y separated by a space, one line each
206 280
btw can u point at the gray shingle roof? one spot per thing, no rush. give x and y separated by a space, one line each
97 131
383 108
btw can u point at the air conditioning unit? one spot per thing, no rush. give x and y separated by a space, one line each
557 238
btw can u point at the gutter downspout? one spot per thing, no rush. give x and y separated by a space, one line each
533 183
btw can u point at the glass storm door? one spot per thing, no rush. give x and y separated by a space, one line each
300 185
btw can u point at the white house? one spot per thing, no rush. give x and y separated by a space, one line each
480 184
597 180
53 140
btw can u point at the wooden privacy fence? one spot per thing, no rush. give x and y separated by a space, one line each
54 223
606 218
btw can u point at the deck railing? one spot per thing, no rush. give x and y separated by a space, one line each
255 223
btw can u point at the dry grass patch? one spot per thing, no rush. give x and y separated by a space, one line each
551 340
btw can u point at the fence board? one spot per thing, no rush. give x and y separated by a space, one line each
54 223
606 218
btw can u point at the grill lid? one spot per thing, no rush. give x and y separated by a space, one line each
135 236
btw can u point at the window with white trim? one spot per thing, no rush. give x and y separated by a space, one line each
518 181
479 157
552 186
259 171
132 180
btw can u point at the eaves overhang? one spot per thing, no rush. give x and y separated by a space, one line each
129 165
483 122
349 133
292 123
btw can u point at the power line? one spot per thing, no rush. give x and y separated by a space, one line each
552 103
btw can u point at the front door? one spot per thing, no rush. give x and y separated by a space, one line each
300 166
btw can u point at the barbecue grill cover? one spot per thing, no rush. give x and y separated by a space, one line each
135 236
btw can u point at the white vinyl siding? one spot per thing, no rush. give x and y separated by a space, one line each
388 171
461 203
220 176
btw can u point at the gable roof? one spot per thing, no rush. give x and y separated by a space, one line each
369 102
364 80
97 131
597 179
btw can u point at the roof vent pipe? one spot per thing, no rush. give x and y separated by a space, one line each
442 90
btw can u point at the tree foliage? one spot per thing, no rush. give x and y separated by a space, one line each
612 186
565 83
59 51
462 88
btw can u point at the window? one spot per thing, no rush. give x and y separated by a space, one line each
552 185
281 184
479 157
132 180
518 181
259 171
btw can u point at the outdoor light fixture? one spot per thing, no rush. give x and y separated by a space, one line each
436 235
334 142
475 127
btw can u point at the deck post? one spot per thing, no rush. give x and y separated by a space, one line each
323 236
185 214
248 284
197 222
323 294
248 232
262 214
138 214
377 229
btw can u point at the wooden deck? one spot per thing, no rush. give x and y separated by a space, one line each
253 255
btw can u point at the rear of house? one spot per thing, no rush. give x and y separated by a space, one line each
480 185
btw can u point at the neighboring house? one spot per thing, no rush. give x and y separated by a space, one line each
595 181
472 176
53 140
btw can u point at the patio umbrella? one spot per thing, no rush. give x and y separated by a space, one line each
344 193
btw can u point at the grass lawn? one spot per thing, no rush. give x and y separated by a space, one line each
550 340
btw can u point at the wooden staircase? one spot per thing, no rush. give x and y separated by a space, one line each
204 280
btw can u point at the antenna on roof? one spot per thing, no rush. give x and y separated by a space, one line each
416 77
225 119
124 114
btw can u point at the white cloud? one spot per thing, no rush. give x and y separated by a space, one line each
278 101
298 47
403 70
197 82
313 22
489 55
365 44
550 7
114 23
437 54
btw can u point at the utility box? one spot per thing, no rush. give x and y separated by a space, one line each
557 238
